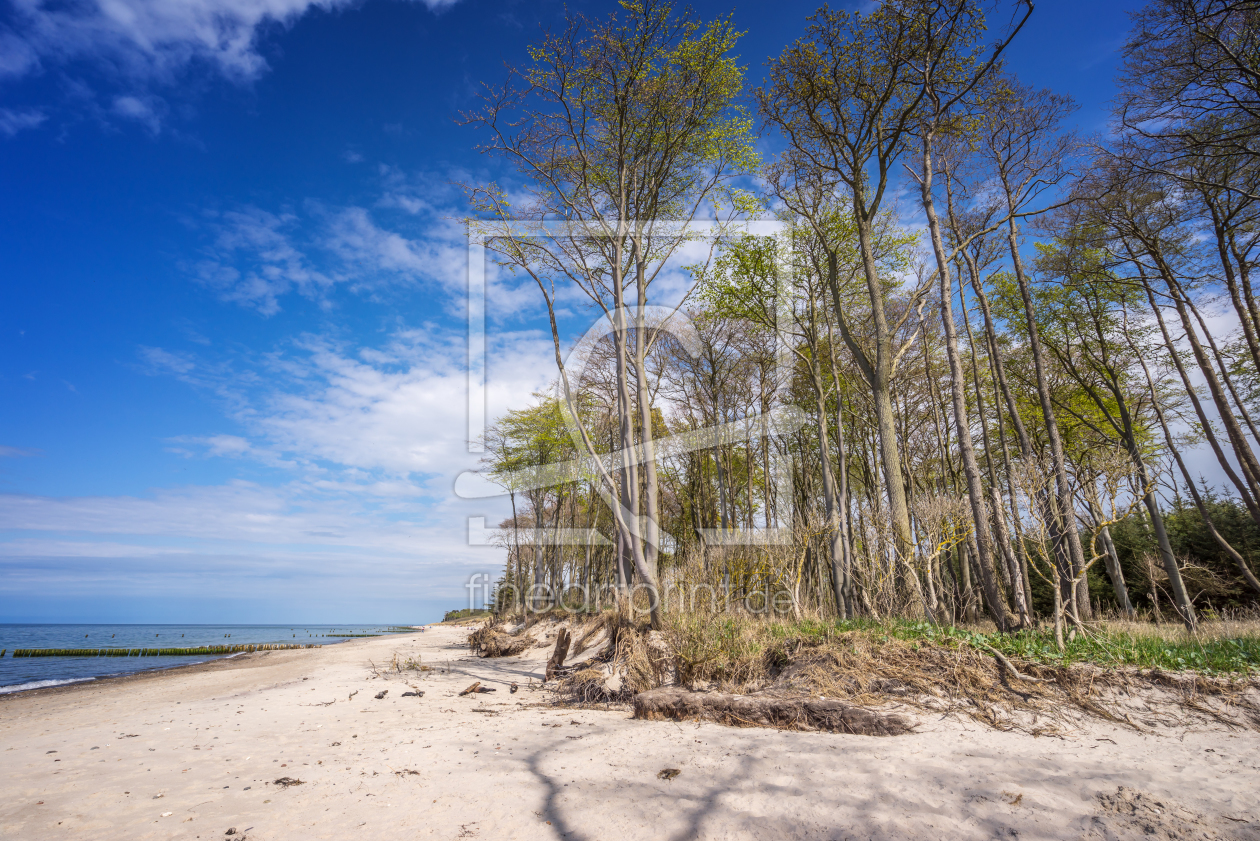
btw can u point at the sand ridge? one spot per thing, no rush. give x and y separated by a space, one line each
190 753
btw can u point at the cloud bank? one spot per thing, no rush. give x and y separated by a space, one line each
152 41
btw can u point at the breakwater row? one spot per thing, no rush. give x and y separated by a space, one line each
158 652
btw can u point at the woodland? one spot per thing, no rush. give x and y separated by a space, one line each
938 356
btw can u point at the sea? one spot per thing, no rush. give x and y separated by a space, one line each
21 673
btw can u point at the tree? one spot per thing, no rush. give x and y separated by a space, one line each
846 98
1191 90
624 128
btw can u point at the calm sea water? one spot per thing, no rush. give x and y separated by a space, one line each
19 673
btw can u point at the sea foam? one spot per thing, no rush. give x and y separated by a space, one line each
40 684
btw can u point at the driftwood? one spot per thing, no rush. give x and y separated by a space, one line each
489 641
557 656
1010 669
672 703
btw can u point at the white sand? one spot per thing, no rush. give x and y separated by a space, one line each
209 742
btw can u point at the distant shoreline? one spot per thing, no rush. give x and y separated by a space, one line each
226 662
65 656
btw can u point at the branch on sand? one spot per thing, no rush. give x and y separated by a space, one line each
673 703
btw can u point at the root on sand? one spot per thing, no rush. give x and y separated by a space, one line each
747 673
677 704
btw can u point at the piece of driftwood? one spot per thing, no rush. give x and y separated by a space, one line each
1010 669
472 689
557 656
673 703
489 641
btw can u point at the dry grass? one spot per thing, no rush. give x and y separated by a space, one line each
1210 630
490 641
913 666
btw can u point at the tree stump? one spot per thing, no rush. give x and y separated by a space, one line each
557 656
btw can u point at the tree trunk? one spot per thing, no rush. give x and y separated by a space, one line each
971 469
1066 526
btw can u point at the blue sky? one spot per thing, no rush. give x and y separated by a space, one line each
231 278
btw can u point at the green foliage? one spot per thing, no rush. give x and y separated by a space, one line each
1210 574
724 644
529 437
636 113
1103 648
752 273
464 613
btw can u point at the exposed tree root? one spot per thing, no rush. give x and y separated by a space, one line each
751 677
490 641
677 704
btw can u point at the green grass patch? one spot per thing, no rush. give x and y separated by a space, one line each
1238 654
465 613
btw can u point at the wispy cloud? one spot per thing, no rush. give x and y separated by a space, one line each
145 110
237 541
140 51
11 121
410 236
18 452
388 421
150 41
254 261
369 438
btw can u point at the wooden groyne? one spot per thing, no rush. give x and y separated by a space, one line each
158 652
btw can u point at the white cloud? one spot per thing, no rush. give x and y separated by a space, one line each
237 542
143 110
11 121
272 265
371 439
17 57
240 512
387 421
165 361
17 452
411 236
151 40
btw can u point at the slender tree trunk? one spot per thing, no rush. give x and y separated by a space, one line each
1244 491
1244 569
1066 525
1242 448
1247 317
830 497
971 469
651 533
878 374
1011 563
1116 573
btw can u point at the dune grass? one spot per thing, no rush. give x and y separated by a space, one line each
717 643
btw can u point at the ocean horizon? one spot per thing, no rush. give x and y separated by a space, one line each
19 674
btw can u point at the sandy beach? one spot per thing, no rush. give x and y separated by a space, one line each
194 752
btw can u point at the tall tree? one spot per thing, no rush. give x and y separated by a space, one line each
846 98
1031 155
625 127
